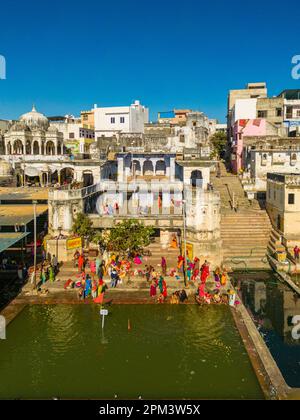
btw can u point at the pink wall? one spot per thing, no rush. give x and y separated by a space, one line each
241 129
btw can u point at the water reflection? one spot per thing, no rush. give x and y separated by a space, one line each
273 305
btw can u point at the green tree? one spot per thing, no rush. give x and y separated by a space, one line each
218 141
83 227
130 237
101 238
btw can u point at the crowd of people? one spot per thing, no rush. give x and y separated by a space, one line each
92 284
117 269
92 272
47 270
120 270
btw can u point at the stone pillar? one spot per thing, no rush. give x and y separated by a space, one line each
164 239
127 169
166 202
120 170
172 169
168 168
68 218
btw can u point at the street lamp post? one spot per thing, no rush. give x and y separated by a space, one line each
34 253
184 239
57 239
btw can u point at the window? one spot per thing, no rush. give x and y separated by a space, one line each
122 120
291 198
262 114
298 113
289 112
71 135
112 120
278 112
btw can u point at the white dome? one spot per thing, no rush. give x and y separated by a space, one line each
35 119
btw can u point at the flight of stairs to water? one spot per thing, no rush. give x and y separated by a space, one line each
245 233
155 250
245 237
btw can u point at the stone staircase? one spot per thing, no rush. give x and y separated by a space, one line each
157 252
245 232
275 243
67 270
245 237
229 187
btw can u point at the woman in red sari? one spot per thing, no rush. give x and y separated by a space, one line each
204 272
165 290
80 262
153 289
195 269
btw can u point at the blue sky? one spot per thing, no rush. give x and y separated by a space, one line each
64 56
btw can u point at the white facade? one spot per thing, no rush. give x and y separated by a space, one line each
125 119
244 109
68 129
262 162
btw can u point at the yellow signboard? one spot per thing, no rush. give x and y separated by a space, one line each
74 243
190 251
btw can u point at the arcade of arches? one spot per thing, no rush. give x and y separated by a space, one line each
148 168
47 177
49 147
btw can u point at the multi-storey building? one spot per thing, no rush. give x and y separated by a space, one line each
116 120
258 116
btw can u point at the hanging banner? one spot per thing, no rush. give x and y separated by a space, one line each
74 243
190 251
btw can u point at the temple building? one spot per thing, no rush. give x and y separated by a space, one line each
38 156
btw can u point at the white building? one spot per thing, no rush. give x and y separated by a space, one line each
266 155
124 119
76 137
243 109
216 127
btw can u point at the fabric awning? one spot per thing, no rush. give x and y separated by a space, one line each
29 171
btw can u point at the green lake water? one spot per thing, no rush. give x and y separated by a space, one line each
184 351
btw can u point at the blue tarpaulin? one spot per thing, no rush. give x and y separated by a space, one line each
7 239
167 114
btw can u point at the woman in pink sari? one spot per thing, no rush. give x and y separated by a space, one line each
137 260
